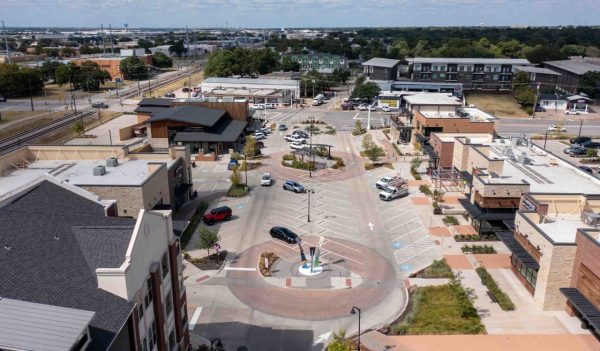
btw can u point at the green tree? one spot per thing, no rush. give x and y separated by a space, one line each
541 53
67 74
287 65
178 48
78 126
590 84
91 76
340 75
133 68
339 342
208 239
525 96
235 177
146 44
48 69
415 163
368 90
573 50
161 60
264 60
371 149
16 81
250 147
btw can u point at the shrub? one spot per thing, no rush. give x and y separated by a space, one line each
482 237
271 257
425 189
330 130
339 163
450 220
478 249
273 126
503 300
437 269
415 175
191 227
288 157
312 129
358 129
239 190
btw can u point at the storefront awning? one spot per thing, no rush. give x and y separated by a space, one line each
475 212
586 309
517 250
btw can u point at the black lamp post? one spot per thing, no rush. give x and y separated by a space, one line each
246 170
309 191
546 139
354 310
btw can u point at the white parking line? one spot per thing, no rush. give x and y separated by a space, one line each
244 269
195 317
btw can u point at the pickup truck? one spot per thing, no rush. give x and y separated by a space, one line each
383 182
389 193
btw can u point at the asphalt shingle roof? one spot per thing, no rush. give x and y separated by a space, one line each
381 62
574 66
51 262
197 115
227 131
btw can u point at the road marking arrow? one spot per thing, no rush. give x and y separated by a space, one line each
371 226
322 338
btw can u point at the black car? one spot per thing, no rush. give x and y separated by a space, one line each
580 140
540 109
591 145
283 127
284 234
586 169
99 105
577 151
2 98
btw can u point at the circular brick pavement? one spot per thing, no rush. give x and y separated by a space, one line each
313 304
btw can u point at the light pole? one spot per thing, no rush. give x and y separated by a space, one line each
546 139
246 170
353 311
309 191
310 149
216 343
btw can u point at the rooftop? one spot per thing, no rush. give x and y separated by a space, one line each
251 81
474 114
242 92
578 67
433 99
474 138
33 326
533 69
472 61
381 62
197 115
562 228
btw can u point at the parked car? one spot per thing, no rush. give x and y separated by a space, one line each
222 213
297 145
390 193
580 140
575 112
185 90
293 186
170 95
362 107
266 179
577 151
386 108
257 107
265 130
284 234
540 109
586 169
295 138
383 182
2 98
270 106
232 163
283 127
99 105
591 144
195 94
301 133
554 128
259 136
347 106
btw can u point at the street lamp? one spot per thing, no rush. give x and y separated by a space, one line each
309 191
216 343
246 170
354 310
546 139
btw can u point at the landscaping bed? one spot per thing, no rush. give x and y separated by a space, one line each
372 165
444 309
478 249
210 263
494 290
484 237
292 161
238 190
438 269
191 227
450 220
271 258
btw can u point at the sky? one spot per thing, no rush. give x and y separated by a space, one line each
297 13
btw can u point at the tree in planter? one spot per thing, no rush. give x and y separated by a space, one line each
358 129
415 163
438 197
339 342
236 176
591 152
208 239
371 149
249 149
78 126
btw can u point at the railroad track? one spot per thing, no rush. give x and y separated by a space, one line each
23 138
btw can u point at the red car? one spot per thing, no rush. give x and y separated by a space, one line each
222 213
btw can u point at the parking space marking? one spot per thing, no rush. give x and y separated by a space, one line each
195 317
412 231
403 224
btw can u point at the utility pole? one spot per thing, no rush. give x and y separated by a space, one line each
30 94
103 44
190 86
310 150
6 43
537 93
580 126
139 89
112 44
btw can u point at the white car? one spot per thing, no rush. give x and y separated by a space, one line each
297 146
259 136
362 107
575 112
554 128
270 106
257 107
295 139
385 108
266 179
383 182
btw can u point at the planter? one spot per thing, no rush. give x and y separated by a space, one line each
437 210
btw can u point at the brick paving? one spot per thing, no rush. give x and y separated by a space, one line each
496 261
458 262
440 231
420 200
416 183
452 200
465 229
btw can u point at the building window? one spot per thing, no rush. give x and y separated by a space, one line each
141 311
442 75
417 67
144 344
152 335
172 340
169 303
462 68
434 76
148 298
434 68
442 68
165 264
495 77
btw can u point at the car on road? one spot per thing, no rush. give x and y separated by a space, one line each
294 186
270 106
295 138
576 151
390 193
257 107
296 145
2 98
185 90
218 214
283 127
284 234
540 109
99 105
575 112
591 144
554 128
580 140
195 94
170 95
362 107
266 179
265 130
586 169
259 135
385 108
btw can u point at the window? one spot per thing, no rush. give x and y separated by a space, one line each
172 340
148 298
435 68
442 75
434 76
442 68
495 77
165 264
417 67
169 303
152 334
141 311
462 68
144 344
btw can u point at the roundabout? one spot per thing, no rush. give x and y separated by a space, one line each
303 295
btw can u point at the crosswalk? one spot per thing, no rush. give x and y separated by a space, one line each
282 116
412 250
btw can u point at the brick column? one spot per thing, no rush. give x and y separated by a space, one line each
159 314
179 297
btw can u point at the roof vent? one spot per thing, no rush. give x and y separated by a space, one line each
99 170
112 162
56 237
7 247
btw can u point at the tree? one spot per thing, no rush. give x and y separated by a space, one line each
287 65
525 96
161 60
339 342
146 44
368 90
250 147
340 75
415 163
590 84
16 81
48 69
371 149
437 197
91 76
208 239
178 48
236 177
541 53
133 68
68 73
78 127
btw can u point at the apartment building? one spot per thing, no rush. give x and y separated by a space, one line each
116 282
320 62
544 78
572 71
473 73
381 69
135 180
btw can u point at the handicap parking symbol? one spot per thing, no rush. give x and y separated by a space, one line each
397 245
405 267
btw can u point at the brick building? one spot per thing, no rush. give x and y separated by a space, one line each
111 64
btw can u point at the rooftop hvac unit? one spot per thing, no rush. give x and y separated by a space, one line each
506 150
112 162
591 218
99 170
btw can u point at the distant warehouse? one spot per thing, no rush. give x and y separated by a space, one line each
258 90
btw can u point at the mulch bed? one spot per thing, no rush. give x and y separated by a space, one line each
210 263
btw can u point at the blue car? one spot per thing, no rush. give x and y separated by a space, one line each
231 164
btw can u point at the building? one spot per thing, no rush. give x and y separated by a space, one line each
564 102
431 87
252 89
139 52
116 283
111 64
320 62
544 78
193 49
572 72
473 73
135 180
381 69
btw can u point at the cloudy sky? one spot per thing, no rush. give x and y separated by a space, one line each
298 13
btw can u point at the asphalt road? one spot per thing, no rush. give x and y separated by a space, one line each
520 126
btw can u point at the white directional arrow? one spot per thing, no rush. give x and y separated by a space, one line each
322 338
371 226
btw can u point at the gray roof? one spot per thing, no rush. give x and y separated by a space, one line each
381 62
574 66
228 131
533 69
471 61
48 261
156 102
251 81
197 115
32 326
